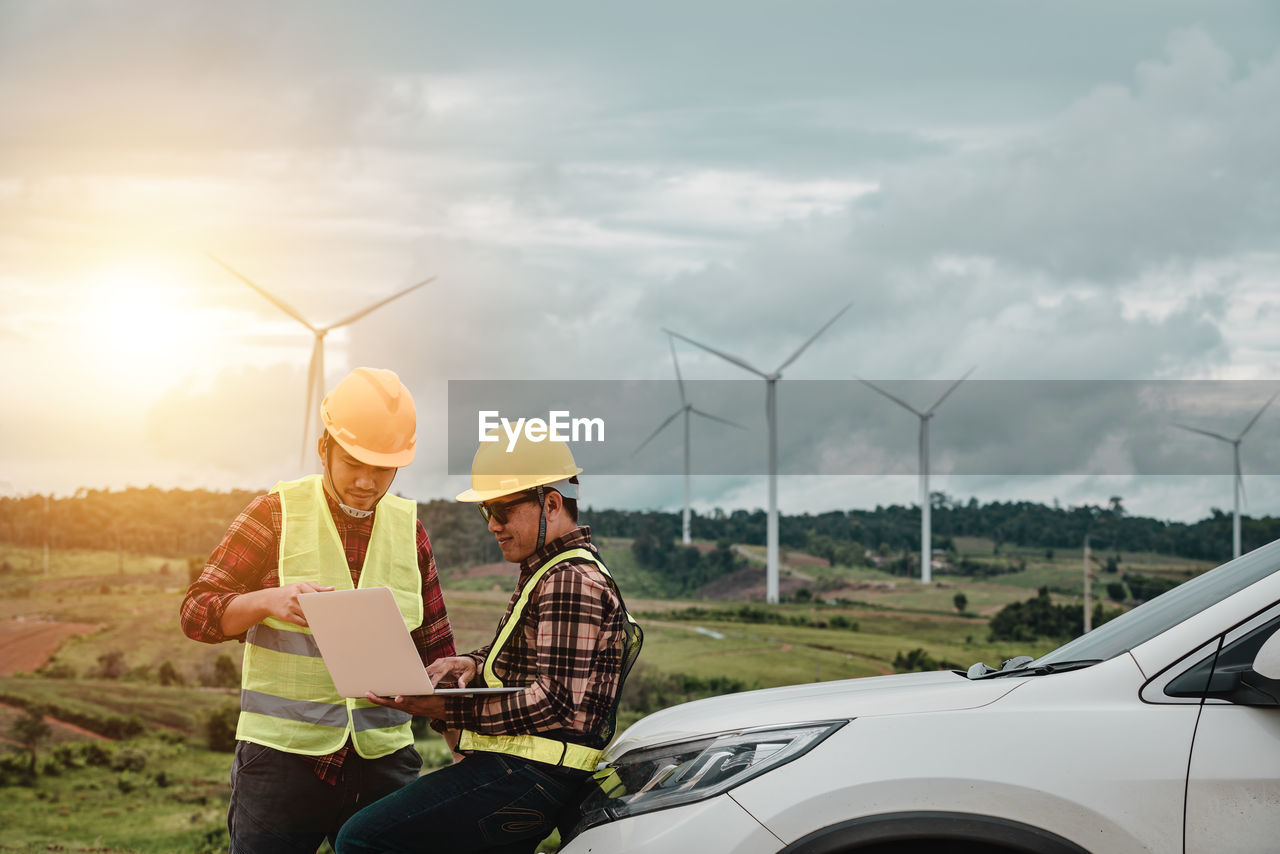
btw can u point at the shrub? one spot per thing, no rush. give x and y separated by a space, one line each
168 674
1144 587
225 672
29 730
57 670
129 759
111 664
1035 618
648 690
95 754
919 660
221 729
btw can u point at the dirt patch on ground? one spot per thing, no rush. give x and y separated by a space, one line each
850 590
62 731
27 644
803 559
747 585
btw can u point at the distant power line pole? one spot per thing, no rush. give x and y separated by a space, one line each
1088 589
46 536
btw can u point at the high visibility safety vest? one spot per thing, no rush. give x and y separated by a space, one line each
539 748
287 699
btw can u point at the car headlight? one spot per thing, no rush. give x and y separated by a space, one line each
680 773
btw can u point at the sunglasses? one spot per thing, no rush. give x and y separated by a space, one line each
499 511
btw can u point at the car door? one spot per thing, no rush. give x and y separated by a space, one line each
1233 779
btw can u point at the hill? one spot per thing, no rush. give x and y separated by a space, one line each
140 716
187 524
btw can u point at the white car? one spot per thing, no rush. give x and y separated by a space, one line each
1156 732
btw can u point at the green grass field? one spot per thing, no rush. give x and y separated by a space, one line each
169 793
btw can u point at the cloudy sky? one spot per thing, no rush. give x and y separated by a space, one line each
1083 191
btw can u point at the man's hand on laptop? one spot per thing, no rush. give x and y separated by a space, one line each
282 602
453 671
428 706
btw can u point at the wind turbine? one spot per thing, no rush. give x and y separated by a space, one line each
771 412
686 409
926 520
315 372
1235 450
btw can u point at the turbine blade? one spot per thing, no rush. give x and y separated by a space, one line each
947 393
676 362
314 371
728 358
278 303
697 411
813 338
1255 418
359 314
896 400
661 427
1218 436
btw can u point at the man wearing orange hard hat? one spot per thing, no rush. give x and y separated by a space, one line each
566 641
306 759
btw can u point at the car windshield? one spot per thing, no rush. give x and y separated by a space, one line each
1168 609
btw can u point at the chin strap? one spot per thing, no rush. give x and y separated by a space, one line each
353 512
542 519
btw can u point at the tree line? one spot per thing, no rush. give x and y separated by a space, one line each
184 522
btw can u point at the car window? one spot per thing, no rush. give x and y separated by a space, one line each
1169 609
1218 674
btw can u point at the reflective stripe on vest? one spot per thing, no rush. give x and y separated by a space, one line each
321 714
537 748
287 698
534 747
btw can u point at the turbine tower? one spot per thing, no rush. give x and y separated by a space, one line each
315 372
926 508
686 409
1239 480
771 412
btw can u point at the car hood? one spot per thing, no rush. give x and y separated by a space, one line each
905 693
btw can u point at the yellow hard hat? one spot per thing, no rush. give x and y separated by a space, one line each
371 415
496 472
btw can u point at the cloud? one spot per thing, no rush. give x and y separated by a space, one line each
580 177
1175 167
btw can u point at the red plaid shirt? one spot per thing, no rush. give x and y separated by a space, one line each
567 649
247 559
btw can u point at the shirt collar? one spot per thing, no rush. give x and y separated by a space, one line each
578 538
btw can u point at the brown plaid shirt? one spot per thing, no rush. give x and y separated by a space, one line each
248 559
567 649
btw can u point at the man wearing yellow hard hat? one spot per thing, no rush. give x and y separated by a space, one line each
306 759
566 639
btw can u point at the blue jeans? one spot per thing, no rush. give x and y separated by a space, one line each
279 806
487 802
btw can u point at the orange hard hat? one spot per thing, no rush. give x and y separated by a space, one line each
371 415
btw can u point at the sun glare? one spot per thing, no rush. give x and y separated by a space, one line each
138 325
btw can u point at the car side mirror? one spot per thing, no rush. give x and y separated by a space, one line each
1267 662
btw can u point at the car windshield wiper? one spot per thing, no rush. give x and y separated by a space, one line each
1021 669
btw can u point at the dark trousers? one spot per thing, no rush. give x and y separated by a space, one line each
487 802
279 806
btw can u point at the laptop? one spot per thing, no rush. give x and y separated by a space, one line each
367 648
